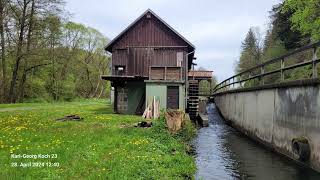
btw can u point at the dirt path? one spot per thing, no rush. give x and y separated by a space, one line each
18 109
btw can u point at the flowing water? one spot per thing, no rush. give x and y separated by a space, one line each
224 153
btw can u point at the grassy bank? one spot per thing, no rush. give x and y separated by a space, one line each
103 145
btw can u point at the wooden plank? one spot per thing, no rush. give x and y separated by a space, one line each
157 74
173 73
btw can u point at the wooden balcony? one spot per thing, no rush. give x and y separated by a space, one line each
167 73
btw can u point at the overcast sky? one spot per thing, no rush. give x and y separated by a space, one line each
215 27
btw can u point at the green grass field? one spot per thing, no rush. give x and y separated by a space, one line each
102 146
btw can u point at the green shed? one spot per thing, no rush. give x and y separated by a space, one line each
170 93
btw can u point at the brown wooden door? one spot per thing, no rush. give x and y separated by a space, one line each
172 97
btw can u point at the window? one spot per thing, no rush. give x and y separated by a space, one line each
120 70
179 59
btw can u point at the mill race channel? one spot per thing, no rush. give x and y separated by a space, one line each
224 153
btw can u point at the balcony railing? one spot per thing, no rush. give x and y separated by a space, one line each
168 73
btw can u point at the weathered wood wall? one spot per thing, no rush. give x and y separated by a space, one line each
166 73
148 43
149 32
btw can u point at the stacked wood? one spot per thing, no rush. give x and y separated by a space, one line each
73 117
152 110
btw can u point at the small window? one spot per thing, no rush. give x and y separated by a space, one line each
120 70
179 59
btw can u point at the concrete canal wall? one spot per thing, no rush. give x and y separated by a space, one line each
287 119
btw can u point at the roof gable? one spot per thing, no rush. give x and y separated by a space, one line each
124 32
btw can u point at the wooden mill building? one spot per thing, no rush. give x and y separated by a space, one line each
149 59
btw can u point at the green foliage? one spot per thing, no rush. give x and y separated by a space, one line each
299 73
276 49
36 91
204 86
306 16
251 55
293 24
282 28
250 51
187 133
102 146
64 59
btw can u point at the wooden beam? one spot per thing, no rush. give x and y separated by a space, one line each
157 47
165 73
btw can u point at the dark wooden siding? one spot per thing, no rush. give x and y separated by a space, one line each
165 57
139 61
148 43
119 58
149 32
168 57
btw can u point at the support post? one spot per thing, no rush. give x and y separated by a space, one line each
233 82
281 69
250 80
262 75
314 63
